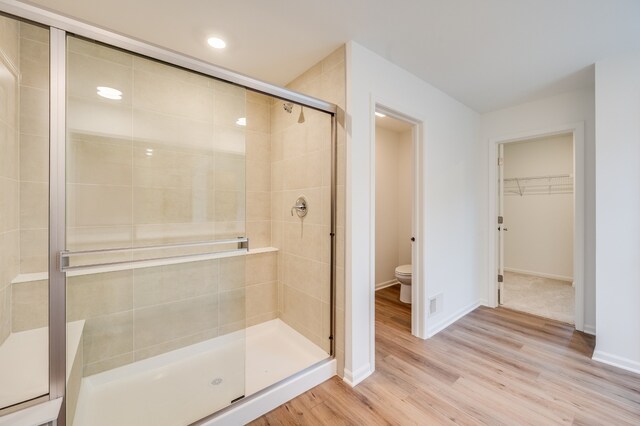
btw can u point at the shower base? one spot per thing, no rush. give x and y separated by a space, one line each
182 386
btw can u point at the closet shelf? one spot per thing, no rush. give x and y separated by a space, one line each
537 185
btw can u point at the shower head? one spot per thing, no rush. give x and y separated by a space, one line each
301 118
288 106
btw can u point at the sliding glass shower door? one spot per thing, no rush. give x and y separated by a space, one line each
155 239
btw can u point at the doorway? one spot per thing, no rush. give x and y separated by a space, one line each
394 206
536 221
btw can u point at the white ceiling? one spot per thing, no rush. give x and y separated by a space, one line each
488 54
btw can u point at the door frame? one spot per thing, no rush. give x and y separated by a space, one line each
577 130
418 284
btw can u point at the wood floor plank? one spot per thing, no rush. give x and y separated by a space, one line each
492 367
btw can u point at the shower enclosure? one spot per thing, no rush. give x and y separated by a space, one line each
182 275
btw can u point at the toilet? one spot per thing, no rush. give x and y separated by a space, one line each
403 275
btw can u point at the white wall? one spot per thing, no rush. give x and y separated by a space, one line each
393 194
618 211
386 204
539 239
453 192
405 198
537 116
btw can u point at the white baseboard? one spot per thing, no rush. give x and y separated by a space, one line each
386 284
259 404
616 361
589 329
540 274
355 377
441 325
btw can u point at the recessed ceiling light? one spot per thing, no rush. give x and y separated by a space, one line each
242 121
379 114
109 92
216 43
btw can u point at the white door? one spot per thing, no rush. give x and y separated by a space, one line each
500 221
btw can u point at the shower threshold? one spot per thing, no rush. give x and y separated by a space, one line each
185 385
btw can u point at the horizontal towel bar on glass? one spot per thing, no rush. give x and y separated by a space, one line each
66 256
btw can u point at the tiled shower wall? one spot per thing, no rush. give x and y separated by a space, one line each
23 161
34 149
9 170
301 166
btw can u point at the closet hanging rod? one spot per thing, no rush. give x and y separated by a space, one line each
538 177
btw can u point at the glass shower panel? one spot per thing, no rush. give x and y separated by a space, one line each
24 189
155 223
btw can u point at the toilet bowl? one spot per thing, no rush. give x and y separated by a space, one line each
403 275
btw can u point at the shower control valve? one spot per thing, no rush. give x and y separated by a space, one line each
300 207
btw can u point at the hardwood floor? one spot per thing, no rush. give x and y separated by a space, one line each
494 366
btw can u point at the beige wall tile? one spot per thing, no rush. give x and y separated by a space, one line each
106 337
305 240
10 259
259 319
94 295
34 250
258 206
99 160
304 275
10 204
89 72
9 38
172 130
34 32
277 237
277 176
170 283
166 233
258 97
261 268
232 307
164 92
162 323
232 327
171 74
229 139
165 205
98 205
258 177
261 299
108 364
258 116
258 147
34 63
5 314
34 205
259 233
99 51
93 238
229 206
34 111
230 170
30 305
9 151
229 107
34 158
230 229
